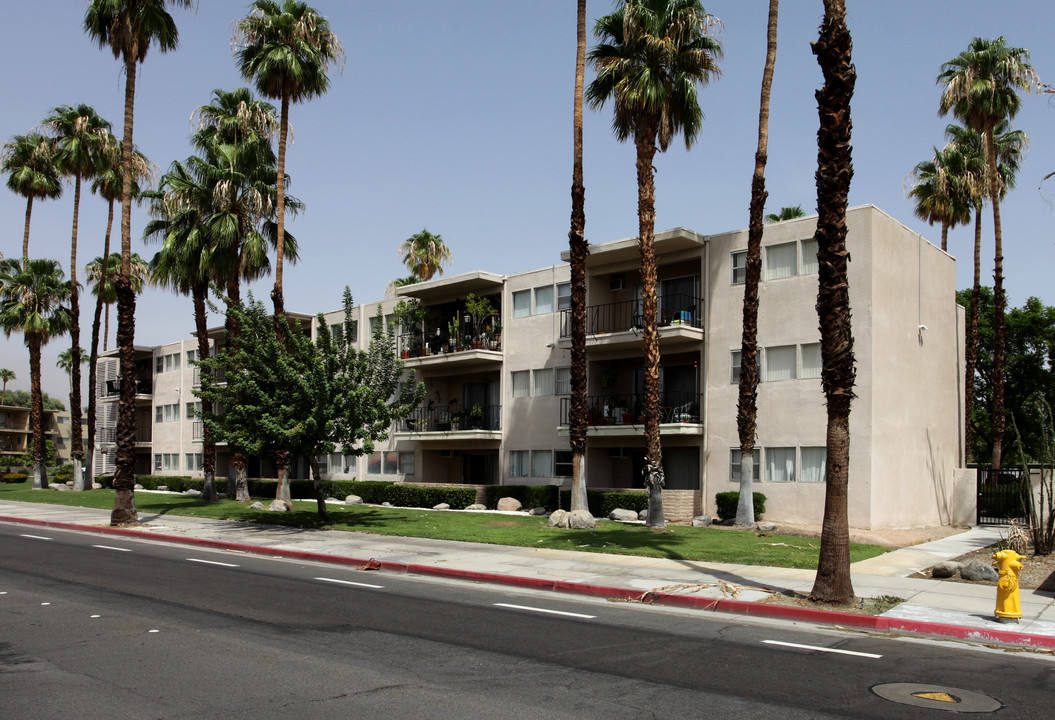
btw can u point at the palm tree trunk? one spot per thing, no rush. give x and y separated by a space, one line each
76 441
124 512
25 234
972 331
945 237
999 303
645 141
208 452
280 244
747 407
93 358
834 171
36 414
579 250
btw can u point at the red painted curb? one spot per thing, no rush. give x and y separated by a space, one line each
739 607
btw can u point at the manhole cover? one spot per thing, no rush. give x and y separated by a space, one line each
937 697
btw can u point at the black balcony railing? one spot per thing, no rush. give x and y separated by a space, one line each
674 407
444 419
626 315
109 435
113 388
412 345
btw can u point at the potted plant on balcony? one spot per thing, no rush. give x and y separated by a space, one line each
480 308
453 334
476 416
410 314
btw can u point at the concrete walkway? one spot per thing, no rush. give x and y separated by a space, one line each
931 607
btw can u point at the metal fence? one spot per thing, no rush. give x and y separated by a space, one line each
1004 496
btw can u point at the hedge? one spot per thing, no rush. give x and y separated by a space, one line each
530 496
726 503
13 477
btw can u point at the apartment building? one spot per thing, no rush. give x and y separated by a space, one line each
16 434
494 353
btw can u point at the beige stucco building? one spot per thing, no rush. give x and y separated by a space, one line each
497 384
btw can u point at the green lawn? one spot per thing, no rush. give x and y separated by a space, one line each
677 542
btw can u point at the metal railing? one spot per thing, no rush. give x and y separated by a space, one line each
445 419
112 388
674 407
676 309
411 345
109 435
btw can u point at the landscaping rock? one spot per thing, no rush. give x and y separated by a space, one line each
702 521
137 486
509 504
386 503
163 488
441 506
643 515
979 571
765 526
280 506
353 500
622 515
559 519
476 506
729 522
257 506
62 487
537 511
97 486
946 569
192 492
581 520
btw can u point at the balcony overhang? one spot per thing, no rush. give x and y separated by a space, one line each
445 363
451 438
671 337
637 431
454 287
626 250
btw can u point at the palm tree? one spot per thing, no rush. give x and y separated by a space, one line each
651 56
579 250
424 255
7 376
32 297
747 406
129 28
286 50
66 361
101 278
940 196
981 88
82 141
31 173
788 212
834 170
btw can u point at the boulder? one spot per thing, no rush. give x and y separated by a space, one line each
581 520
257 506
163 488
559 519
353 500
280 506
765 526
623 515
137 486
386 503
509 504
441 506
643 515
476 506
62 487
702 521
97 486
192 492
979 571
946 569
537 511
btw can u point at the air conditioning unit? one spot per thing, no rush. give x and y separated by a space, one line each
448 453
617 283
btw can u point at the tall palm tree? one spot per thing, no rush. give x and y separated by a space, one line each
834 170
981 87
32 300
788 212
66 361
940 196
579 250
82 141
129 28
286 49
651 56
747 406
100 278
27 159
6 375
424 255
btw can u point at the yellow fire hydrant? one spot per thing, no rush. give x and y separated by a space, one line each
1008 604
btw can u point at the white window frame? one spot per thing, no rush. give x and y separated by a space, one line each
564 296
810 371
542 382
519 296
406 463
735 363
738 266
734 464
808 257
520 383
781 352
562 380
541 463
777 469
519 463
545 300
811 473
785 251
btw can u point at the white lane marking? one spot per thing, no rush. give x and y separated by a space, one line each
823 649
544 610
108 547
153 631
45 603
95 616
211 562
35 537
349 582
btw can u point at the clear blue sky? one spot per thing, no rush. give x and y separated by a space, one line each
456 116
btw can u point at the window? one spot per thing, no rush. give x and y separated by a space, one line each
780 363
166 461
734 464
167 363
780 464
564 296
541 463
780 261
814 464
323 462
518 463
734 363
562 463
193 410
391 462
63 420
811 360
194 461
159 364
406 463
521 303
521 381
157 462
543 299
167 413
809 257
543 382
337 463
192 356
739 263
562 381
373 463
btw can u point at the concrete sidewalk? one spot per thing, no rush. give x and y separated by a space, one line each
931 607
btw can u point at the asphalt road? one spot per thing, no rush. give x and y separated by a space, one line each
93 627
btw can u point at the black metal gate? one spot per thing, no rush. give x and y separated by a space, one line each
1003 496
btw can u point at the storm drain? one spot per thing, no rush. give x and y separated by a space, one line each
937 697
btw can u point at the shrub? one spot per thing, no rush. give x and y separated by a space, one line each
426 497
726 502
530 496
13 477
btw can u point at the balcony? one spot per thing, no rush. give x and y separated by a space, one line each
619 325
109 435
112 388
679 414
444 350
485 419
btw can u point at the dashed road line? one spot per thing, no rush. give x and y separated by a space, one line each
211 562
35 537
110 547
545 610
823 649
349 582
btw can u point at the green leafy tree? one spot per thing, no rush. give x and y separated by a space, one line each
6 375
285 48
650 58
23 398
29 459
33 294
129 28
31 173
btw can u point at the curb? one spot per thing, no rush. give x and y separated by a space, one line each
877 623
